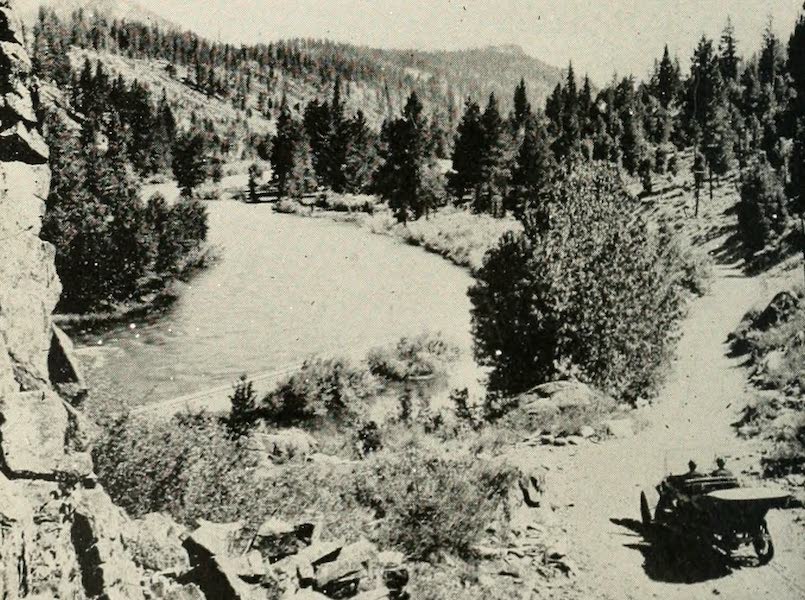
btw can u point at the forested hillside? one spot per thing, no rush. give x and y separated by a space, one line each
256 78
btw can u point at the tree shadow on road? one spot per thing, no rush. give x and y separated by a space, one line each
676 561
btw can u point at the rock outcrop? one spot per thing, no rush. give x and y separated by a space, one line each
61 537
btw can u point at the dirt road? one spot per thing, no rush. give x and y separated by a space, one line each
702 397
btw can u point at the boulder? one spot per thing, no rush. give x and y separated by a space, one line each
779 310
345 572
277 539
77 466
619 428
773 362
106 569
32 433
286 444
213 539
586 431
14 61
303 564
18 143
11 29
16 105
64 369
564 394
155 543
163 588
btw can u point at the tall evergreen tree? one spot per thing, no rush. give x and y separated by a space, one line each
533 170
522 108
728 59
361 155
493 174
189 161
407 176
667 80
467 152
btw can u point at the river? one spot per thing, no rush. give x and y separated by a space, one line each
285 288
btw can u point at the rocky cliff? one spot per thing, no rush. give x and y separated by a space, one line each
60 534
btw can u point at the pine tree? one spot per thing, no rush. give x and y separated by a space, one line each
407 177
534 168
728 59
522 108
318 127
467 152
796 64
361 156
667 80
493 176
283 150
771 60
189 161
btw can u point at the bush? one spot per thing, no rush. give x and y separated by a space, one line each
322 388
587 286
192 469
430 503
348 202
187 466
243 413
422 356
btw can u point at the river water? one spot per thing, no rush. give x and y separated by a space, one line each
285 288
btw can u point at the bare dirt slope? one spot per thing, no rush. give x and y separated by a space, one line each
597 487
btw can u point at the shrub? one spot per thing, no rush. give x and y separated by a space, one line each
348 202
244 408
587 285
429 502
186 466
421 356
322 388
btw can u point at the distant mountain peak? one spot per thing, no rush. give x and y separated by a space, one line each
512 49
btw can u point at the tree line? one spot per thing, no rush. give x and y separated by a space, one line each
105 135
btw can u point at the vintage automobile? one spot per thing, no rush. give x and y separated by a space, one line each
713 510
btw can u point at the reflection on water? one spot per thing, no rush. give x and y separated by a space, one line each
286 287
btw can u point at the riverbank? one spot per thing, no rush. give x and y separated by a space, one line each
149 304
456 234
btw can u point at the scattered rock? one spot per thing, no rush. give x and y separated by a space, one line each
286 444
213 539
619 428
795 480
276 539
155 543
586 431
343 574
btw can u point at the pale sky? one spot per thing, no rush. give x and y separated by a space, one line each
599 36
